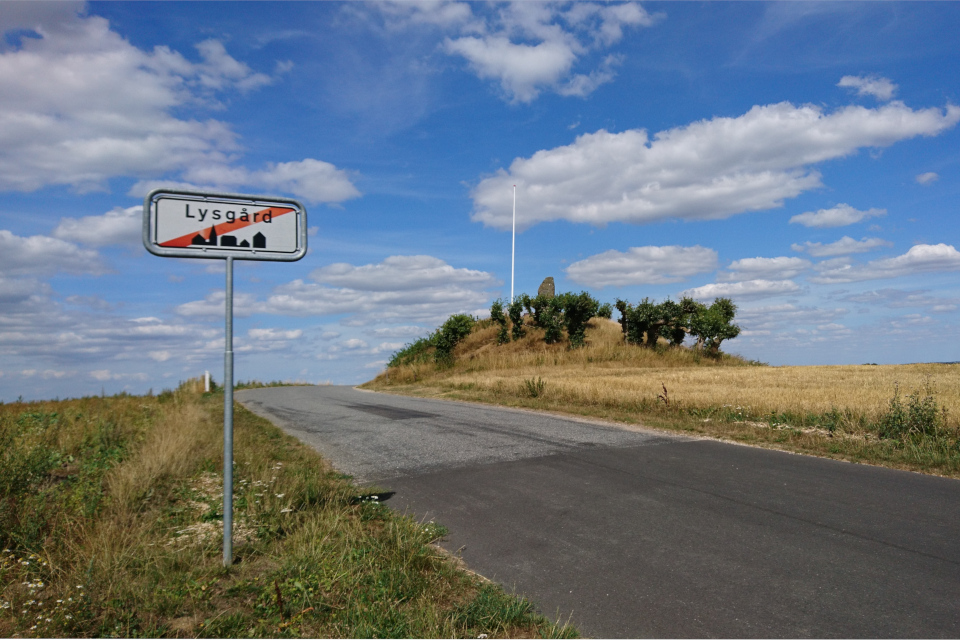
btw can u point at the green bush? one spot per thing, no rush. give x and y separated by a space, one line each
516 316
714 324
578 309
919 418
416 352
456 328
496 314
551 319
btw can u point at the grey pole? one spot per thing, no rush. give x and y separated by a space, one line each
228 423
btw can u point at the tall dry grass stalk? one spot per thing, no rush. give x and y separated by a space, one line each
183 437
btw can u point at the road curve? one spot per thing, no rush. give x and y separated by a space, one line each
638 533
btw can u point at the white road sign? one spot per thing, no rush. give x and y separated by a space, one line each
219 225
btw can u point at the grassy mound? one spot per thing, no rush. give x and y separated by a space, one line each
480 352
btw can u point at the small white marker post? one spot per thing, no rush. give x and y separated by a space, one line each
224 226
206 382
513 249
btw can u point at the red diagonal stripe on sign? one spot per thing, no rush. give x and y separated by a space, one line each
224 227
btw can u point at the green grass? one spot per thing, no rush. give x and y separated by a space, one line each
111 512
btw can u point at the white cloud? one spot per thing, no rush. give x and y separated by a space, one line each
642 265
927 178
36 329
18 290
273 335
839 216
213 306
527 47
403 331
743 290
42 255
80 105
921 258
775 317
900 299
521 68
118 226
105 375
782 268
709 169
401 288
844 246
876 86
312 180
400 273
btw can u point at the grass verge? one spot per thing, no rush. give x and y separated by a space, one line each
898 416
111 525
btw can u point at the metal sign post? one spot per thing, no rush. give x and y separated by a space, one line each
224 226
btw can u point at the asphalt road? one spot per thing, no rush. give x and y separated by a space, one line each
637 533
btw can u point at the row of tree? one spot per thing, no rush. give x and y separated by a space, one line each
648 321
570 311
643 324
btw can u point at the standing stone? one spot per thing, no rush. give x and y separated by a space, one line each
547 289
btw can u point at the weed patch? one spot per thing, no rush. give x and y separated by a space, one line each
112 526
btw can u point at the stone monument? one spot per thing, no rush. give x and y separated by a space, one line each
547 289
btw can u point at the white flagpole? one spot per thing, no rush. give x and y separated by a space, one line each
513 250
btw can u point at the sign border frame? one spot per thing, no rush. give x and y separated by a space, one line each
217 253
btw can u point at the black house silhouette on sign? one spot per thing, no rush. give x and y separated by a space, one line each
259 241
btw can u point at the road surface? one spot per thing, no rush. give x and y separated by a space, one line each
636 533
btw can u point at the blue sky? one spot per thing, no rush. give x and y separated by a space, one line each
801 158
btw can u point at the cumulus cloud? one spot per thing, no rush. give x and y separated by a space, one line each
402 331
273 335
42 255
900 299
399 289
37 329
17 290
768 319
400 273
709 169
117 226
782 268
642 265
743 290
528 47
312 180
921 258
79 105
927 178
876 86
844 246
104 375
838 216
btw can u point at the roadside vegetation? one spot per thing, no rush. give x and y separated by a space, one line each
637 371
111 526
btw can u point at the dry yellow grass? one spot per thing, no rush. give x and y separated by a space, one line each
793 408
609 373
